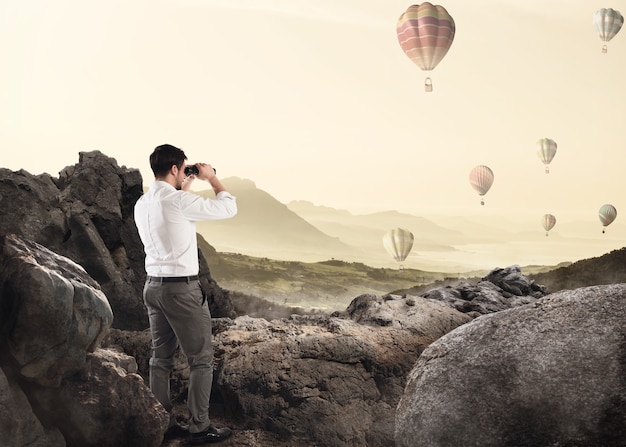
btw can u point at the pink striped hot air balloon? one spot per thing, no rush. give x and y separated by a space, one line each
481 178
425 33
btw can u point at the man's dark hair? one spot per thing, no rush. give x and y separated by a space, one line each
164 157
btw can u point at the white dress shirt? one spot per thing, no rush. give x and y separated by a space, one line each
166 220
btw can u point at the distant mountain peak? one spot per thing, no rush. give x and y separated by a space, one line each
239 183
304 206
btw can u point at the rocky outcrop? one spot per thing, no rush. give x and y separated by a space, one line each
424 317
86 215
56 386
328 380
551 373
528 375
317 380
501 289
107 404
526 371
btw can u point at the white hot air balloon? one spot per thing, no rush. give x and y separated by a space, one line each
481 179
607 215
546 149
398 243
607 23
548 221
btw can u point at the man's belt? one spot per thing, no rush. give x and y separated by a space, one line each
172 278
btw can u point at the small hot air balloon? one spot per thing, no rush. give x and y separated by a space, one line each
607 23
546 149
548 221
607 214
481 179
425 33
398 243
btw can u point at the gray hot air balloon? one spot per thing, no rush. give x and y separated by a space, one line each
607 214
398 243
548 221
607 23
546 149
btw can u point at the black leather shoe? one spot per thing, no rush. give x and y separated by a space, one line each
176 431
210 435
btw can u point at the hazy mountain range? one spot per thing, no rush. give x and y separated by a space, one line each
303 231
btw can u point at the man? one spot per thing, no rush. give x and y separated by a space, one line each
166 218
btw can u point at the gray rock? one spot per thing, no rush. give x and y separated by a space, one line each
325 380
19 427
105 405
550 373
501 289
53 318
419 315
84 215
511 280
53 313
315 380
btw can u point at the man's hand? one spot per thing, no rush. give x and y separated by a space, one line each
205 171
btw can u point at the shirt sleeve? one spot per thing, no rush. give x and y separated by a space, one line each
196 208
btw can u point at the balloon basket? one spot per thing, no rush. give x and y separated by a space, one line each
604 48
428 85
547 170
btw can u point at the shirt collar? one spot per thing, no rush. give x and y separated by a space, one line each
158 184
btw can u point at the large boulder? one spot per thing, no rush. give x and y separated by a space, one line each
107 404
323 379
53 318
53 313
86 215
551 373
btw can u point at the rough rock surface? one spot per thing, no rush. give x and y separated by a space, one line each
86 215
317 380
550 373
53 316
425 317
52 312
501 289
19 426
106 405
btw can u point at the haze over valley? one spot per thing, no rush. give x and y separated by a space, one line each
307 232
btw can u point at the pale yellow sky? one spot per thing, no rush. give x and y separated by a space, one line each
314 100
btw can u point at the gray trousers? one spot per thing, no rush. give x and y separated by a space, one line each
178 313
